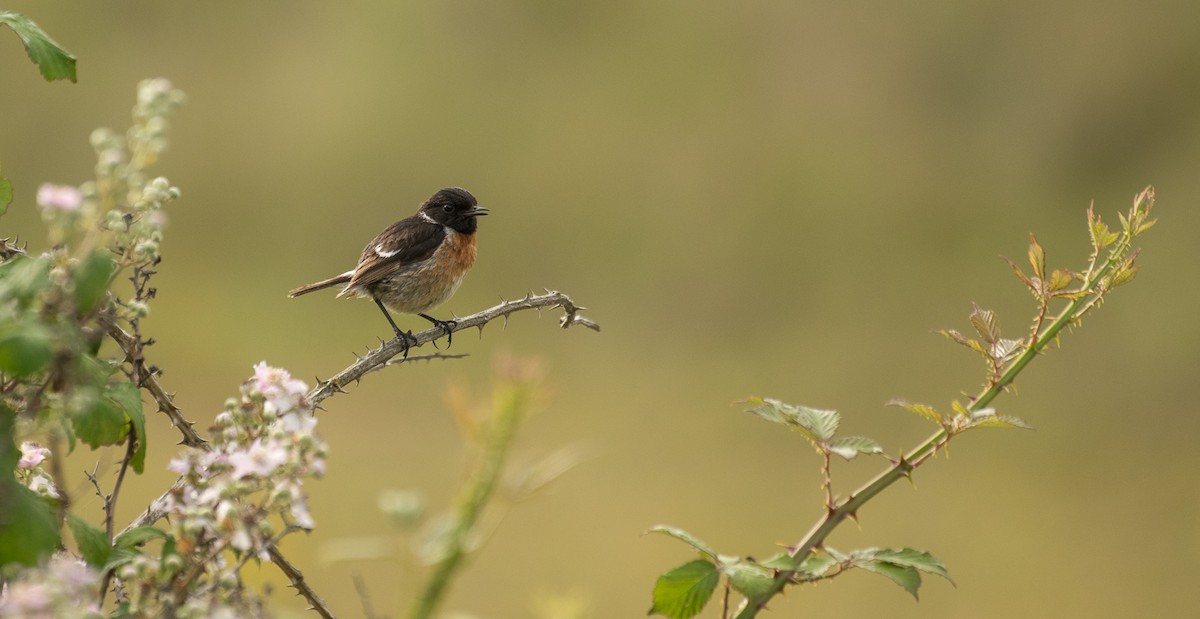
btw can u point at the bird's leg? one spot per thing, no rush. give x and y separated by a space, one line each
406 338
447 327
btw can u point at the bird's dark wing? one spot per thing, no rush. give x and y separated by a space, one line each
404 243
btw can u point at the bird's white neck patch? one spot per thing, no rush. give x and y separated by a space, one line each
425 217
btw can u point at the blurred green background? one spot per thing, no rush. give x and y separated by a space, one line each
757 198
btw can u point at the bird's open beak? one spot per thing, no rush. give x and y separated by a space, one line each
477 210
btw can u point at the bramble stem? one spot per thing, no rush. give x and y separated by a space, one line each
1093 289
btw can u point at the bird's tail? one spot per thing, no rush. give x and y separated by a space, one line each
321 285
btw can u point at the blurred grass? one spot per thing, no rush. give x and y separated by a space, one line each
754 199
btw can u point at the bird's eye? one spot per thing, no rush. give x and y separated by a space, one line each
448 208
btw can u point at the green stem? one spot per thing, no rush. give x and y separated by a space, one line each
849 508
481 482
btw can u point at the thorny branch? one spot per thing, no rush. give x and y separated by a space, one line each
374 360
146 379
380 356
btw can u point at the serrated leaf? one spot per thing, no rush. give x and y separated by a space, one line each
687 538
1124 272
812 567
1144 226
817 425
96 418
974 345
923 410
986 324
93 543
28 532
1037 257
26 347
914 558
128 399
682 592
850 446
1101 236
981 413
1021 274
93 371
907 577
91 280
139 535
749 579
999 421
1059 279
1004 349
23 278
119 557
54 62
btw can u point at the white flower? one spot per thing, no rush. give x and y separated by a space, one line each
44 486
300 513
260 459
180 466
32 455
298 423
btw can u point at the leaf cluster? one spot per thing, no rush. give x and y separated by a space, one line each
683 591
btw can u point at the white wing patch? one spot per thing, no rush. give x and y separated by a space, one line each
384 253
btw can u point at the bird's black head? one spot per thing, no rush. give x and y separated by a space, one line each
454 207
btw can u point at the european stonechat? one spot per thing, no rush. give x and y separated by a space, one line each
416 263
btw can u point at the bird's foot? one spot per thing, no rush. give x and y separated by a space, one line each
447 327
407 339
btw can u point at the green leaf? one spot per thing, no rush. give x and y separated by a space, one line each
96 418
139 535
965 341
817 425
687 538
93 543
28 531
749 579
682 592
813 567
1059 280
987 418
54 62
93 371
850 446
23 278
26 347
914 558
92 279
904 576
923 410
902 566
119 557
128 399
986 324
1037 257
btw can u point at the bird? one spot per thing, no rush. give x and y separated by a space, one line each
416 263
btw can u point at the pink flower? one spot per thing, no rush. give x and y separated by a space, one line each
32 455
59 197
